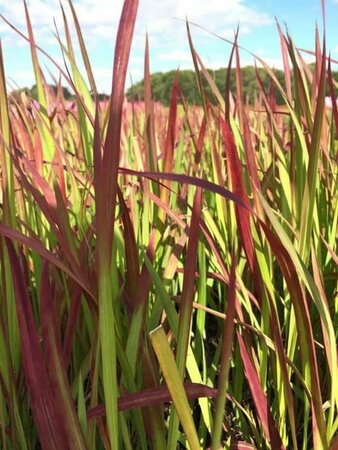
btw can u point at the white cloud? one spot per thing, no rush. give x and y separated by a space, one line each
175 55
222 13
163 20
22 78
99 18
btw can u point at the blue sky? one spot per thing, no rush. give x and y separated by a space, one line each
164 21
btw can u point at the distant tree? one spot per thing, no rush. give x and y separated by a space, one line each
32 92
103 97
161 84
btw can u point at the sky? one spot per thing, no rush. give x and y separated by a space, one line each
164 21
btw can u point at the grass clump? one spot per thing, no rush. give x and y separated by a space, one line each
169 275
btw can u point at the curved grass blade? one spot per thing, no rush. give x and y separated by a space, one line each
187 179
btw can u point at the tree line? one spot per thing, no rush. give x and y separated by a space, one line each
162 82
161 85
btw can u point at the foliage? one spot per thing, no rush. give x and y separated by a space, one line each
161 83
33 93
168 276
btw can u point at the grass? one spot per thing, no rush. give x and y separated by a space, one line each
169 275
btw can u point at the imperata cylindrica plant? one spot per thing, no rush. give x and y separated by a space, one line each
168 272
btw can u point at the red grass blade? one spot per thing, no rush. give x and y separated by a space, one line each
74 311
154 396
56 370
227 82
260 400
106 189
242 214
251 159
47 417
52 207
37 247
194 181
171 128
169 144
197 71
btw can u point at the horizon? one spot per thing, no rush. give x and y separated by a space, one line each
258 34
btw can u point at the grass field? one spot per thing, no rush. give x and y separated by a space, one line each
168 276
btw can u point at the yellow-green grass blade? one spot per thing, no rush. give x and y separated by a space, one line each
12 349
311 184
186 304
305 332
313 290
48 147
84 101
84 51
175 385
